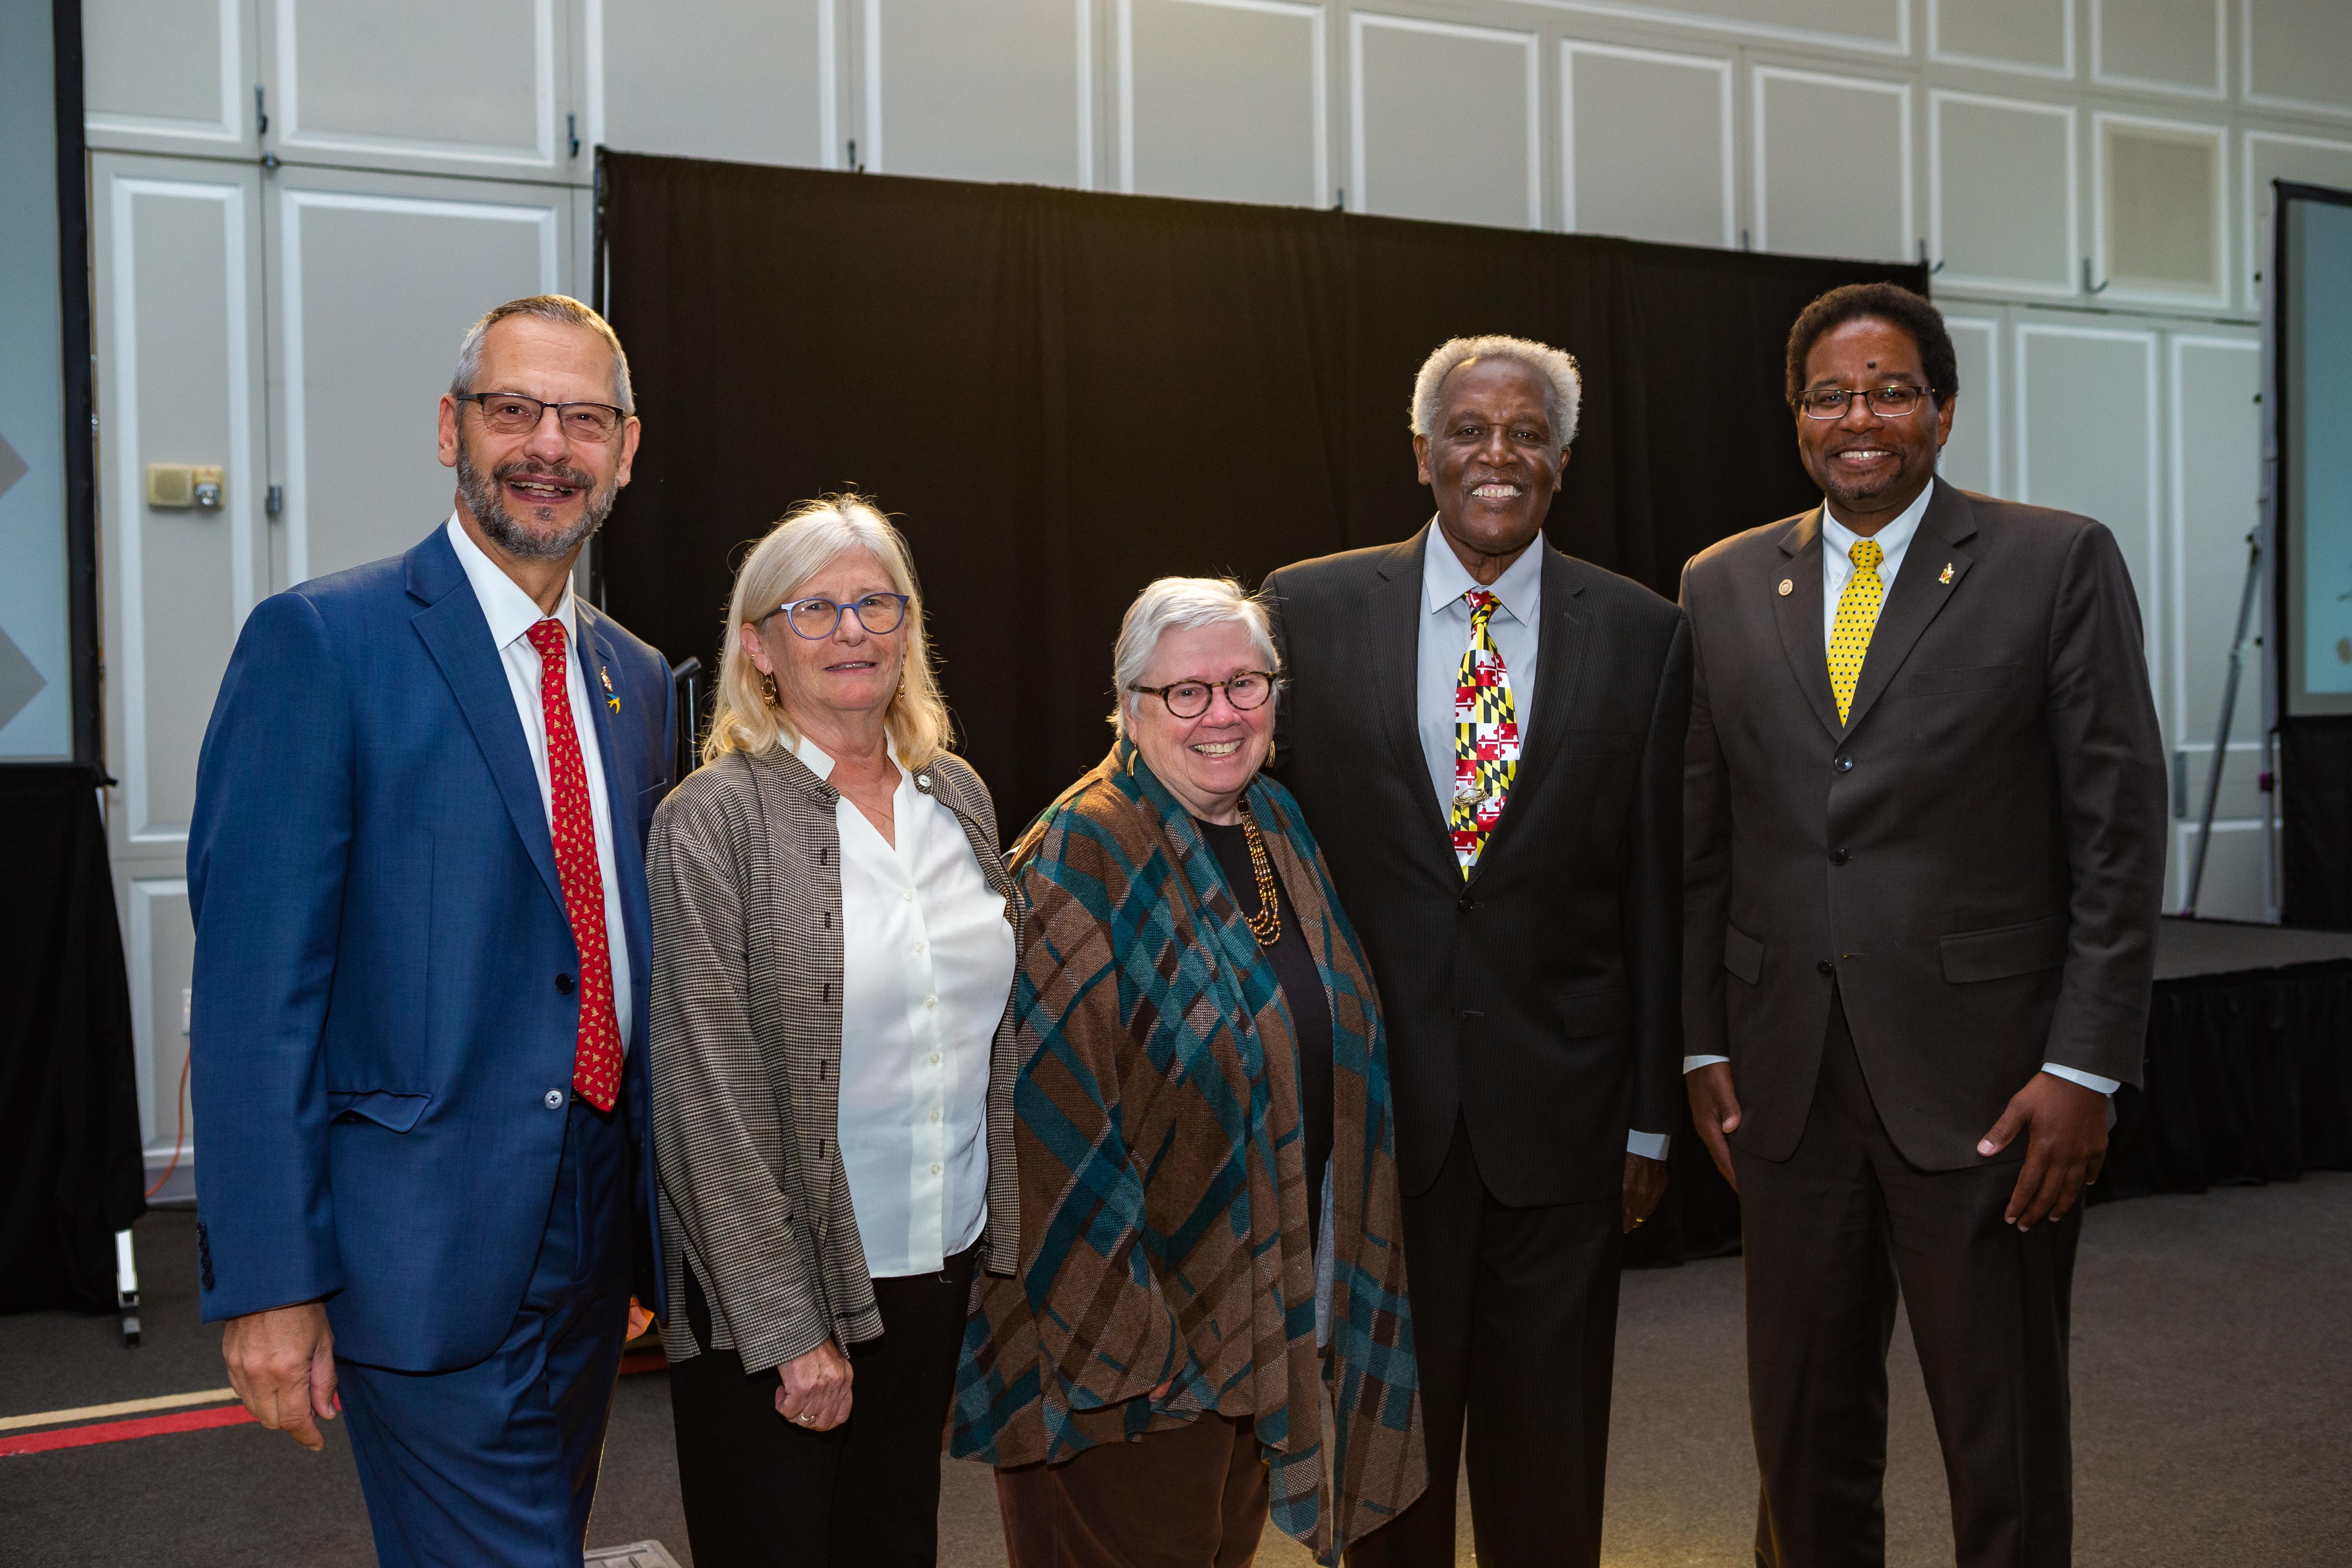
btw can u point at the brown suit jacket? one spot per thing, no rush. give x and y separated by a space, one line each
1975 860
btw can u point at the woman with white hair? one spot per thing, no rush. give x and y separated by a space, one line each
833 942
1208 1196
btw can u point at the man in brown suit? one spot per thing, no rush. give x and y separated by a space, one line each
1925 846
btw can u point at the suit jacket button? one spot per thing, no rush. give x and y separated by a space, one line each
1466 903
1837 857
563 984
1826 967
554 1100
1844 765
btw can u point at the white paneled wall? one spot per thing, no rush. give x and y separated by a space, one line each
297 204
2002 194
1224 100
1677 109
1445 121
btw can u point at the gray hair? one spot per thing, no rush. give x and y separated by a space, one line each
1562 392
560 308
1174 602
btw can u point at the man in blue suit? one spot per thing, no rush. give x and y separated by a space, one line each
416 867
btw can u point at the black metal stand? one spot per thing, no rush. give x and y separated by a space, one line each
2222 730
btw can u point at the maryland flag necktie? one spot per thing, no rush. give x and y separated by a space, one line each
1486 735
1857 616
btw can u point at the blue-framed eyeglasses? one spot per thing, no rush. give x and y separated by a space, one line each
818 619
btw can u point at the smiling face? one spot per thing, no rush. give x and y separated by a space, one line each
1870 467
1206 762
538 496
1491 462
831 684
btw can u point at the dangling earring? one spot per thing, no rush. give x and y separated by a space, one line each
768 690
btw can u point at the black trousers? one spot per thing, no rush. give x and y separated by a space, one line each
1515 1328
1830 1236
760 1490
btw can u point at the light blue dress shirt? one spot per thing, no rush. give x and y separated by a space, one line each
1516 628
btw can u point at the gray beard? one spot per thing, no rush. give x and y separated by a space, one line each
486 501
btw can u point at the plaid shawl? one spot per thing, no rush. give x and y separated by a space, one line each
1163 1188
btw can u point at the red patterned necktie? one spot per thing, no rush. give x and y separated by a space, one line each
596 1063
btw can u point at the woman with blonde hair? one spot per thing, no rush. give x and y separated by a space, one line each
834 943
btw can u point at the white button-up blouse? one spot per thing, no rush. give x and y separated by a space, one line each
927 963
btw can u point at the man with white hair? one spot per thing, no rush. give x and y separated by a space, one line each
1486 735
416 868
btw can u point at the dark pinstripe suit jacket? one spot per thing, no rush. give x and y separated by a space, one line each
745 871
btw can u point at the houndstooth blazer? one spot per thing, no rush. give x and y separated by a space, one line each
745 1043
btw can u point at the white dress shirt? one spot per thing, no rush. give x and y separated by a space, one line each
1837 570
1517 627
511 614
927 963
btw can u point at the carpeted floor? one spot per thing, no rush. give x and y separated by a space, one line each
2212 1418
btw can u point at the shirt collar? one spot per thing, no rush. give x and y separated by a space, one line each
1891 539
510 612
1444 578
819 761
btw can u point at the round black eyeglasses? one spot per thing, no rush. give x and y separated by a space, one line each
1190 698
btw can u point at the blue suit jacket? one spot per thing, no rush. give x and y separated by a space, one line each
377 1016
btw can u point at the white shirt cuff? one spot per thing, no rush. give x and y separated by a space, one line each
1692 1064
1649 1145
2087 1079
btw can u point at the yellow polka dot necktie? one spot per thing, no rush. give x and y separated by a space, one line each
1486 735
1857 614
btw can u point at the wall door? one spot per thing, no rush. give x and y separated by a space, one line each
294 329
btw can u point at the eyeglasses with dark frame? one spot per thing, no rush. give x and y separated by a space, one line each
818 619
512 413
1895 400
1191 698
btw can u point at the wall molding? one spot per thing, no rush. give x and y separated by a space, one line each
125 509
1943 57
1900 91
1720 65
1530 44
286 116
292 204
2102 76
2040 289
2220 296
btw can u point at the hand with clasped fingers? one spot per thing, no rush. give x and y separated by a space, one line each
281 1362
813 1389
2067 1123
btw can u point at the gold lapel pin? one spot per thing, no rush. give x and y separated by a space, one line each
1948 573
1788 586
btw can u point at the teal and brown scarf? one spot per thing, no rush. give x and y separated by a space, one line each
1163 1189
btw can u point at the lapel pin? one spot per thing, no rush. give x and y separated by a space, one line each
1787 587
613 697
1948 573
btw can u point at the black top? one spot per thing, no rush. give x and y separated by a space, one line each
1301 982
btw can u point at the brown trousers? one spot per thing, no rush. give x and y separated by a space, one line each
1193 1497
1829 1234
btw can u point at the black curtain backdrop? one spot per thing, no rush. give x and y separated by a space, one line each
1060 397
71 1170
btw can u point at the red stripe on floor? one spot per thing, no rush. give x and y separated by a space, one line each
120 1431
